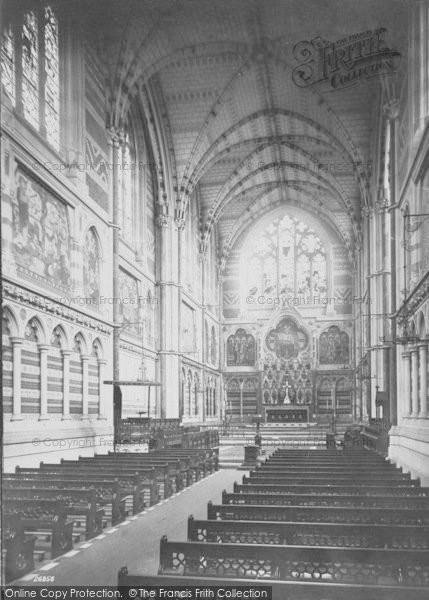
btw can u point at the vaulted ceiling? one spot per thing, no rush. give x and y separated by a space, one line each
241 135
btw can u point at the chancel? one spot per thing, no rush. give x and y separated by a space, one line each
215 277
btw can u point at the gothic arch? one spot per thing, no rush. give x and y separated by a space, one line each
35 331
9 315
59 338
79 343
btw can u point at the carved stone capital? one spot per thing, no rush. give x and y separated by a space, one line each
116 135
391 109
180 223
163 220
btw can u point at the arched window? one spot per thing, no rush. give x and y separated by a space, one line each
38 87
91 267
8 64
287 258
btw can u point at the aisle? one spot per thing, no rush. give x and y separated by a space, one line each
135 542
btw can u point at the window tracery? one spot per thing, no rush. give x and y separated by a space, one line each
8 63
36 80
289 259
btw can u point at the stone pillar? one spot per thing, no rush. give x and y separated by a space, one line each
115 140
43 355
407 379
169 318
101 366
85 381
66 384
414 381
16 377
423 381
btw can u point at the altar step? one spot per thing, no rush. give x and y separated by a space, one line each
280 434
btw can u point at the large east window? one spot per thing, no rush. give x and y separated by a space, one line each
30 71
286 259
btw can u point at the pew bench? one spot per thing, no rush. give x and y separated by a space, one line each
147 474
79 503
296 563
318 514
47 520
17 547
334 480
353 489
332 474
178 468
148 477
309 534
281 590
266 497
109 493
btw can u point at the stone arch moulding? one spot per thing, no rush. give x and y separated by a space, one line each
13 322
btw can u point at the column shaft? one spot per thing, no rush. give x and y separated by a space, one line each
414 382
66 384
16 378
43 353
85 383
407 380
423 381
101 365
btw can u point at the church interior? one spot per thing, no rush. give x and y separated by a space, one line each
215 283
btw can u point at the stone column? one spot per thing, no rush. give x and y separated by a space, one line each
407 378
115 141
66 384
168 257
101 366
414 381
423 381
43 355
85 381
16 377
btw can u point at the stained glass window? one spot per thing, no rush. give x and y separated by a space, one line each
30 68
37 78
287 259
8 64
52 80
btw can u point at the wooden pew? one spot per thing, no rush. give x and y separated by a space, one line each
263 478
309 534
105 489
46 519
318 514
280 590
109 492
177 468
331 473
266 497
207 457
17 547
353 489
339 467
160 474
373 566
79 503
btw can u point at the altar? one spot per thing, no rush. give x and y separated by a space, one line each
287 413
